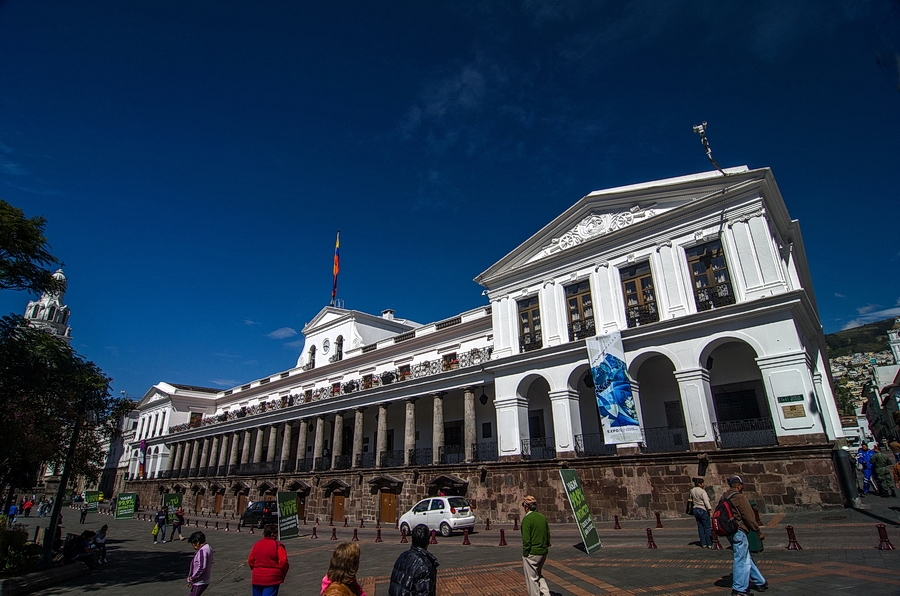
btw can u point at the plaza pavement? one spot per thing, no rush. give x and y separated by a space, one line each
840 556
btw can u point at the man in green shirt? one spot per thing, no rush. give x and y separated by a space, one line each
535 546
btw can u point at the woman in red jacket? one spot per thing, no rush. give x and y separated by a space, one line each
268 562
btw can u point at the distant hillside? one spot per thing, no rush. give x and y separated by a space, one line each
868 338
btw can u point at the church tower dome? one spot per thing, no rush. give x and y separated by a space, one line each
49 313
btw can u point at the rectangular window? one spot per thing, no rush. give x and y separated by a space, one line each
449 362
580 308
368 382
710 277
404 372
640 297
486 431
196 417
529 325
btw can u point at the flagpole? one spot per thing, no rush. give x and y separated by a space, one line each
337 265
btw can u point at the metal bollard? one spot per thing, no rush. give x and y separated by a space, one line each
378 536
362 523
333 534
433 537
206 526
355 537
658 521
346 521
251 530
314 533
617 526
650 542
515 523
239 528
502 537
487 524
466 537
377 524
885 544
397 523
226 527
217 526
317 520
792 539
331 521
403 539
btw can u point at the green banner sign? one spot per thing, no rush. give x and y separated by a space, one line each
581 510
288 518
173 502
125 505
92 498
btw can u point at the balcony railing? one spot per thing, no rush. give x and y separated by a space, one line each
391 459
421 457
192 473
485 451
451 454
304 464
530 341
756 432
322 463
342 462
665 439
714 296
259 468
641 315
222 470
592 445
582 329
288 466
539 448
474 357
365 460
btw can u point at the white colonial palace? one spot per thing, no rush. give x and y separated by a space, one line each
705 277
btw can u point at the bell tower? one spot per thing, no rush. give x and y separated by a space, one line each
894 340
49 313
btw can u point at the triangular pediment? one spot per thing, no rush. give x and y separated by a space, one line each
605 213
325 317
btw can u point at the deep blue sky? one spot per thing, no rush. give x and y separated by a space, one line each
194 159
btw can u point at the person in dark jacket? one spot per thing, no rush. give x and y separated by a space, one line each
743 568
268 562
415 572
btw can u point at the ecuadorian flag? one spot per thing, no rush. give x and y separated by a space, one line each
337 265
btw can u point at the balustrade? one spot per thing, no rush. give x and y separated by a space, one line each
539 448
665 439
592 445
755 432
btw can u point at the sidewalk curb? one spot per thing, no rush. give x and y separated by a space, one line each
31 582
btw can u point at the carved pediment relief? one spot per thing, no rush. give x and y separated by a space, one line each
594 226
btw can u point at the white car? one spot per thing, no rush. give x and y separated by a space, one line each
444 514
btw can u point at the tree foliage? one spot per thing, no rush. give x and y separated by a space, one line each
44 387
24 253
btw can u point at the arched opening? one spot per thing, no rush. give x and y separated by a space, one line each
339 348
540 443
743 418
660 406
591 442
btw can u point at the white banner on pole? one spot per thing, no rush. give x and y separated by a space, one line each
613 389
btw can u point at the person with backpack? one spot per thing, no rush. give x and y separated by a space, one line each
734 519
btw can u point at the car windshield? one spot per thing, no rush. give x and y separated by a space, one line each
458 502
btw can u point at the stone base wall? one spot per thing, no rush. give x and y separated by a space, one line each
780 479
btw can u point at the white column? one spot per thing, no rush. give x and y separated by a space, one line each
273 442
381 439
302 438
286 443
409 434
357 436
791 393
337 441
696 401
469 434
437 427
512 425
566 420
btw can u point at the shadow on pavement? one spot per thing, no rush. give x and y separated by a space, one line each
122 570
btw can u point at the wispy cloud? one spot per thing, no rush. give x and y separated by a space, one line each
296 344
12 168
282 333
870 316
251 322
839 295
36 191
867 308
224 382
228 356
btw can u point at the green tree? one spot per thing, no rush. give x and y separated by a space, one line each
24 253
844 400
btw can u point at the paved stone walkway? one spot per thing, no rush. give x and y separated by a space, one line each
840 556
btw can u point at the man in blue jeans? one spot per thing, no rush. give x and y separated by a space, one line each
162 516
743 569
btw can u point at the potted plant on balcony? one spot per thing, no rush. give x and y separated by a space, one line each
387 377
350 386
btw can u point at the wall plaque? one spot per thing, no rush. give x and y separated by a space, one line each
789 398
797 411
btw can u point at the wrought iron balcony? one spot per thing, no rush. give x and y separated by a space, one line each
259 468
641 315
485 451
582 329
391 459
755 432
421 457
304 464
288 465
192 473
592 445
222 470
342 462
715 296
539 448
165 474
531 341
665 439
322 464
451 454
365 460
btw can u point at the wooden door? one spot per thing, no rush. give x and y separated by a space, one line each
301 507
337 508
241 503
388 510
219 499
198 502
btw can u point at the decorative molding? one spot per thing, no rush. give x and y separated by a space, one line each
630 257
663 244
594 226
601 265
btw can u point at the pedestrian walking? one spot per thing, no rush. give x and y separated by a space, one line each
744 569
162 516
881 467
84 512
13 512
27 507
340 580
177 523
268 562
895 449
535 547
702 509
415 571
100 542
201 564
864 461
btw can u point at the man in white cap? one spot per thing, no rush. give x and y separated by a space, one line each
535 546
743 569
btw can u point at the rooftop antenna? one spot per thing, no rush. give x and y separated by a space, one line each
700 129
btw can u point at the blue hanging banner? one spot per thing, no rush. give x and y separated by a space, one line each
613 389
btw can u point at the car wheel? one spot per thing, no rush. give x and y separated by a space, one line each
404 527
445 529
